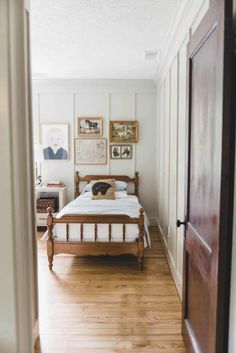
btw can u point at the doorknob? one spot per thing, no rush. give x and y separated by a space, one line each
179 223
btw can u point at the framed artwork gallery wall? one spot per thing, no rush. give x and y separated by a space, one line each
59 101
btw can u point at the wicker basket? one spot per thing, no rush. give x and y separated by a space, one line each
44 202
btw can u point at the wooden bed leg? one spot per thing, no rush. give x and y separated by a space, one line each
140 241
140 263
50 255
50 246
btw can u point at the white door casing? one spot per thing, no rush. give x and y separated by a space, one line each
18 304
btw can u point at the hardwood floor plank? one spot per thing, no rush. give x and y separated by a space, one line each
106 305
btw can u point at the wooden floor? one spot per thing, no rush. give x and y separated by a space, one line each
105 305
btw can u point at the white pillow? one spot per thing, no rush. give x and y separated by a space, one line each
121 194
118 195
120 186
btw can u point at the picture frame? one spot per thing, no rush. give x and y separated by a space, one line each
124 131
90 127
55 141
121 152
90 151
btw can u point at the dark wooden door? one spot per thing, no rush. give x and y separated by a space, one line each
210 182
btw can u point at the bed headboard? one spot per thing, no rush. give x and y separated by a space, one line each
88 178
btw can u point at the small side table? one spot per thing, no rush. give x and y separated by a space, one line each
41 218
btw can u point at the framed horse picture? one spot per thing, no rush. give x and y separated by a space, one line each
121 151
90 126
124 131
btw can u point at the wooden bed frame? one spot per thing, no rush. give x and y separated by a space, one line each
95 248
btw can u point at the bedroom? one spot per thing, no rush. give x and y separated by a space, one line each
109 176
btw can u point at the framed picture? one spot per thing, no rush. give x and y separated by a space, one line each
121 151
91 151
90 127
115 151
55 141
124 131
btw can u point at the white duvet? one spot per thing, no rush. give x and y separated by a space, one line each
128 205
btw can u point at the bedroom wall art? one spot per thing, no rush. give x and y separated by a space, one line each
90 151
90 126
121 151
124 131
55 141
64 101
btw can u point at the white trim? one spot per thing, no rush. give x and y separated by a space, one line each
17 310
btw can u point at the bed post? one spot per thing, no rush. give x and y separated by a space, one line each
141 236
136 181
50 238
77 180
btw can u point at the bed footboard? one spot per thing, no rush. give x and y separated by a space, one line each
82 248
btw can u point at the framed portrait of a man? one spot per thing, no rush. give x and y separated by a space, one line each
55 141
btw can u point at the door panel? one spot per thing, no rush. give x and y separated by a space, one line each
205 160
198 305
210 183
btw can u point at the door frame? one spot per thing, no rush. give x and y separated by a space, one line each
227 169
17 222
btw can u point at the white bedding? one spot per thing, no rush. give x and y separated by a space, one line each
84 205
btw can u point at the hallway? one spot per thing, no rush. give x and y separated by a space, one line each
105 305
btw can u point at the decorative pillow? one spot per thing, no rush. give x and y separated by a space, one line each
118 195
119 185
88 187
103 189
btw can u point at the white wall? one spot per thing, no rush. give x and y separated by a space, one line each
63 101
171 131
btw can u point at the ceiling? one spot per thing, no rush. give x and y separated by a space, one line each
98 38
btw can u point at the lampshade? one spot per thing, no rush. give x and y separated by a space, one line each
38 152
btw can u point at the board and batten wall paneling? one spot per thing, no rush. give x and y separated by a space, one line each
173 161
167 157
122 107
91 104
57 108
182 155
162 159
157 154
63 101
171 158
145 106
171 202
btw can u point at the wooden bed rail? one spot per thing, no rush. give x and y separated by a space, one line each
84 248
88 178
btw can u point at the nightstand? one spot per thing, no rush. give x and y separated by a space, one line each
49 191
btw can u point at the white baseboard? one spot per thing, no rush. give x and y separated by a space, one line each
175 275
